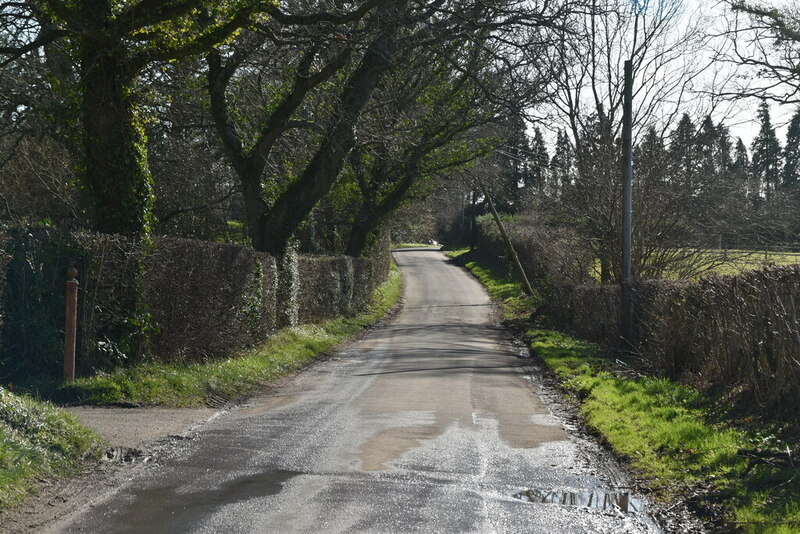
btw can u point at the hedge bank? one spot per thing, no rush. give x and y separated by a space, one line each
164 300
737 337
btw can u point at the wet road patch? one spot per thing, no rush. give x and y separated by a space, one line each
168 510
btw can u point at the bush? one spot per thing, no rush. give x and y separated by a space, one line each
551 256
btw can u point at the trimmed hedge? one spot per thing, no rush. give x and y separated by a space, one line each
205 299
735 336
336 285
166 299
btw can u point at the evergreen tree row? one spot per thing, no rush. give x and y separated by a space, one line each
725 189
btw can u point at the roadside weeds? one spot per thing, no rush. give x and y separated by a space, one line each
39 441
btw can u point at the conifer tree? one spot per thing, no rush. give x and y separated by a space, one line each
791 153
707 138
684 155
741 160
723 160
650 160
540 161
766 165
562 164
517 166
740 169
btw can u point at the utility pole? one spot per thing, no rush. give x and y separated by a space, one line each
523 278
626 319
473 229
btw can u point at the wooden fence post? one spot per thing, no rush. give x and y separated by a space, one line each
70 324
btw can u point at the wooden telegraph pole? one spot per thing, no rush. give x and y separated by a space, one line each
70 324
523 278
626 319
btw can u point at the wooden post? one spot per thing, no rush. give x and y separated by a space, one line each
526 285
70 324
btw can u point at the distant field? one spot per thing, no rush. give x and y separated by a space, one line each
737 261
731 262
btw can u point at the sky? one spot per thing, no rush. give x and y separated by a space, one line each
739 115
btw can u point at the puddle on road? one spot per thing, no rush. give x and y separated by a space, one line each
623 502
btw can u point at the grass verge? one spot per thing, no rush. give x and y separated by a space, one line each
39 441
664 429
193 385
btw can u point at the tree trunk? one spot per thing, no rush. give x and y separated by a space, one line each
254 207
117 176
372 214
605 272
250 164
365 223
321 172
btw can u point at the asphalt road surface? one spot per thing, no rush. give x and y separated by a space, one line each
428 424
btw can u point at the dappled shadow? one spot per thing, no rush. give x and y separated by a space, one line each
485 304
447 368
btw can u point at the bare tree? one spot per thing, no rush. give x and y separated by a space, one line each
661 42
764 42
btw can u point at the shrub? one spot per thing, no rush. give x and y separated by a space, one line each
551 256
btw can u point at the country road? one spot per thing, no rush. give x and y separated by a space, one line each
428 424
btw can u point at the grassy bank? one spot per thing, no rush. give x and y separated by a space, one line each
38 441
676 439
198 384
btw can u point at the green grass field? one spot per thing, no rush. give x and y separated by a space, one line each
737 261
726 262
